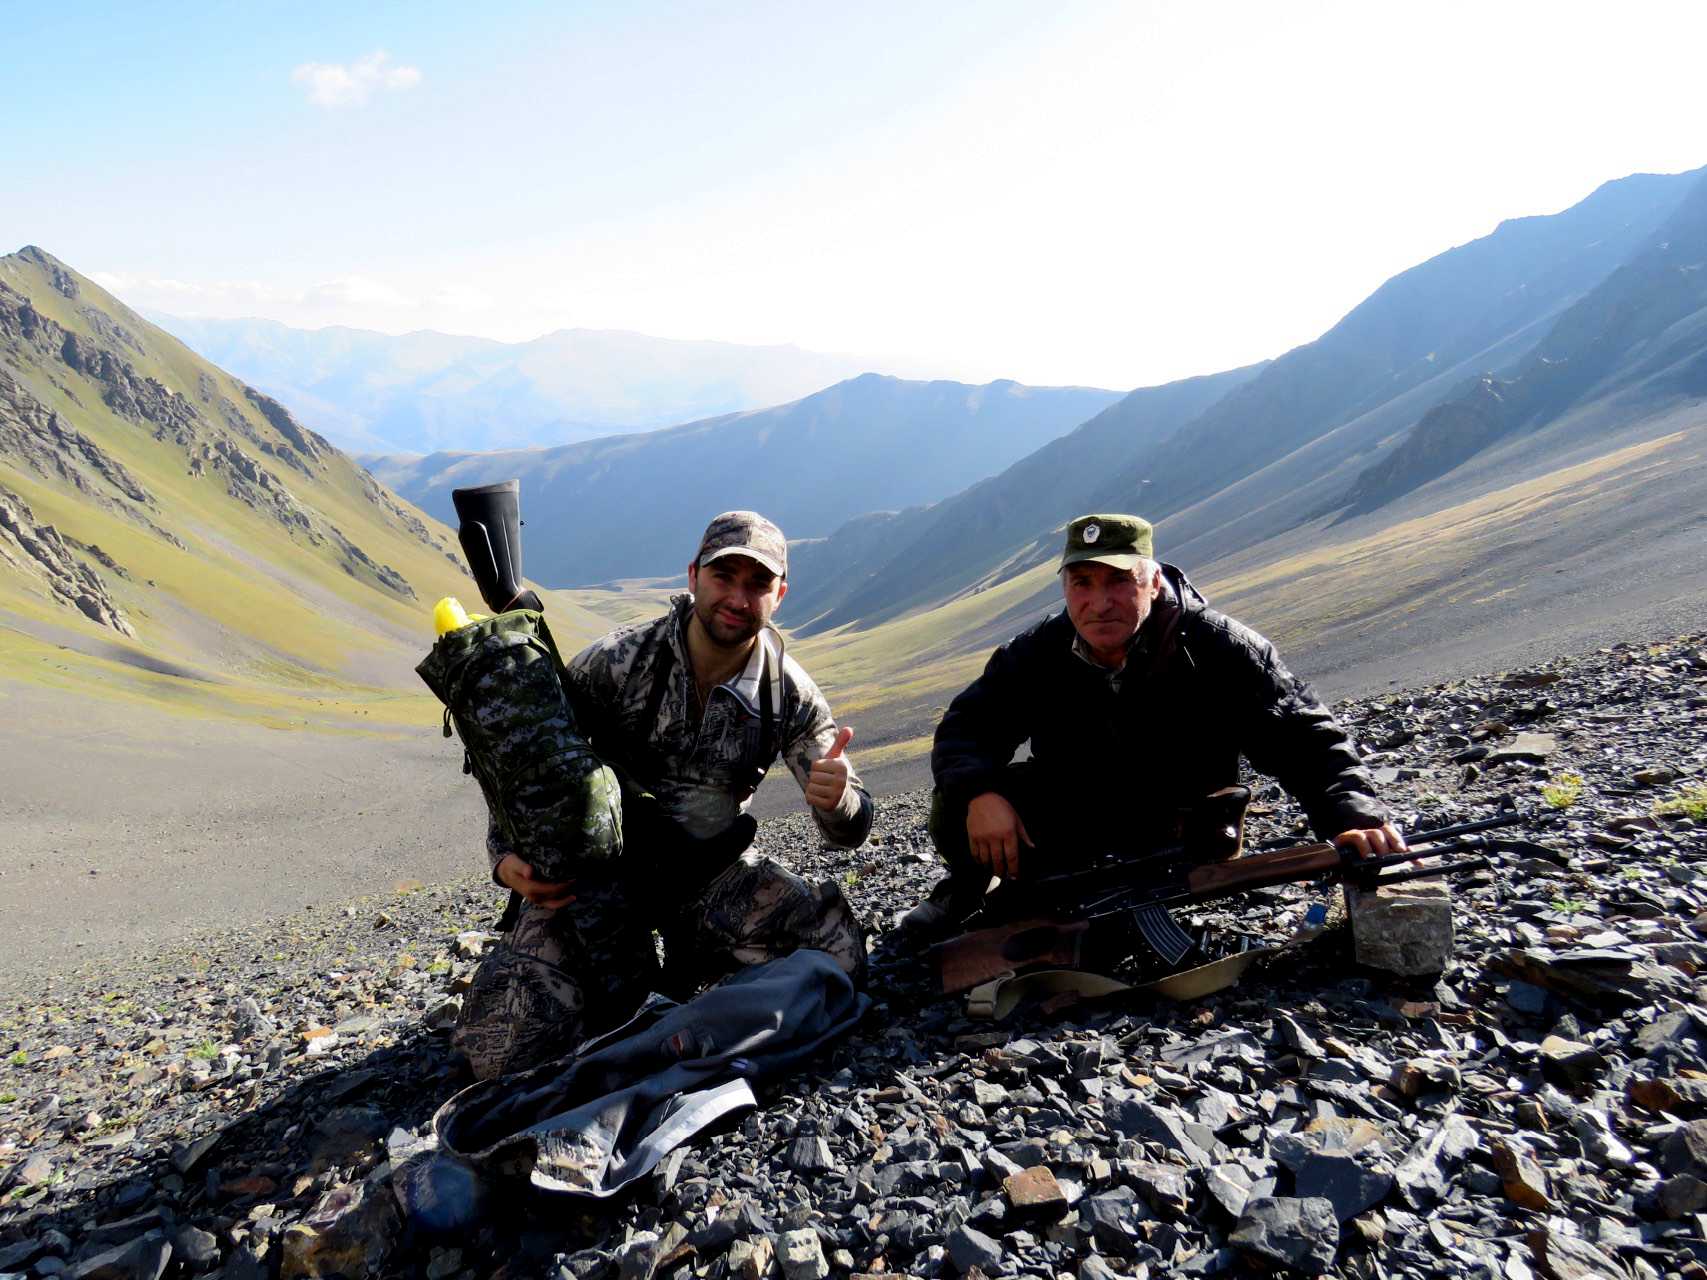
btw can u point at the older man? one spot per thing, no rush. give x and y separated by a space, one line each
1138 700
691 709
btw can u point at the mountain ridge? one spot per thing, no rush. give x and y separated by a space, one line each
1288 440
810 465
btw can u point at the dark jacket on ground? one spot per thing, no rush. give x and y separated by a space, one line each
1198 691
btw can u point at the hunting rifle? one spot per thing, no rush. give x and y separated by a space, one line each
1082 919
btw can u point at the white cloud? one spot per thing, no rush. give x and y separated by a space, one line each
337 84
343 299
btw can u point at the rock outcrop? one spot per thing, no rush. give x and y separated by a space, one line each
37 550
300 437
51 447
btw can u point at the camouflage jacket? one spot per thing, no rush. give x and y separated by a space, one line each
703 773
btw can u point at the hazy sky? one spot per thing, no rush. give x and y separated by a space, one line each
1102 193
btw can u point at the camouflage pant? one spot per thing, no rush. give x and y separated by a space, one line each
562 975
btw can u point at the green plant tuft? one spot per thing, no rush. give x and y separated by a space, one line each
1562 792
1690 803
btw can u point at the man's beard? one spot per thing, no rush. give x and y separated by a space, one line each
723 632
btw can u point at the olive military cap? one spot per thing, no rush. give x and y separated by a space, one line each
1121 541
745 533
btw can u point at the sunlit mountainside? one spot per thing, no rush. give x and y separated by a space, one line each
170 535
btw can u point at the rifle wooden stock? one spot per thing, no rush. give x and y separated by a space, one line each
1259 870
977 957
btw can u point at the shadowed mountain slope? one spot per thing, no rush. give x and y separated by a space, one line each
633 506
1640 332
1454 308
1293 437
881 564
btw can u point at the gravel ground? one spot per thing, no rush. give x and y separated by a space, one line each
1538 1109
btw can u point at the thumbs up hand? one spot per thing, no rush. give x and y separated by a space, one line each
828 780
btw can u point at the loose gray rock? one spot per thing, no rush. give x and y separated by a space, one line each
195 1248
144 1258
971 1248
802 1255
1301 1234
810 1155
1346 1182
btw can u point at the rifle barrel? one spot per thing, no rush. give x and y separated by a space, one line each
1421 873
1461 845
1468 828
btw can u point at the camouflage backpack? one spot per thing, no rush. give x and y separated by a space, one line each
555 802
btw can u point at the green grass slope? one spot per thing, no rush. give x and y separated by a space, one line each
170 537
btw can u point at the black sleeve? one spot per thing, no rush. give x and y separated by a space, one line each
981 729
1286 732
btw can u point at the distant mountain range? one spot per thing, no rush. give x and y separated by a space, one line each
423 392
633 506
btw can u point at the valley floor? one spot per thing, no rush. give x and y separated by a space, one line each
126 828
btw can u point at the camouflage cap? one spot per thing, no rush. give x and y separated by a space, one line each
1121 541
745 533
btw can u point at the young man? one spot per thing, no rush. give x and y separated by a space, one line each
691 709
1138 701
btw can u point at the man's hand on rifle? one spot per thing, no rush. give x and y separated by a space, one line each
995 833
1368 842
516 874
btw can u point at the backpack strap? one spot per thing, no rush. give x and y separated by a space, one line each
767 707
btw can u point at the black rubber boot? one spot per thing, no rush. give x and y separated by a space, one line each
940 916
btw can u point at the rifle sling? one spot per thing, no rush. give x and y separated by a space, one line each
999 997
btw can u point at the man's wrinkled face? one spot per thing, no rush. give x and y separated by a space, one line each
733 597
1108 605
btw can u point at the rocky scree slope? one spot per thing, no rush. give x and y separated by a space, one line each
1539 1109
